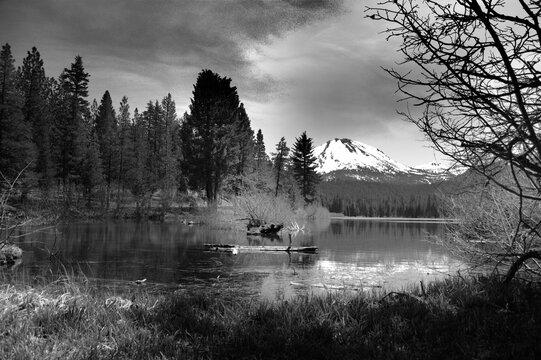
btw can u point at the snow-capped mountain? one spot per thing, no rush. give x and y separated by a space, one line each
345 158
346 154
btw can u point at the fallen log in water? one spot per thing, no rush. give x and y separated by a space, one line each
235 249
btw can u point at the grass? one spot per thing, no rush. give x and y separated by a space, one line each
455 319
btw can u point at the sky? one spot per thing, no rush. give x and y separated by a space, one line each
298 65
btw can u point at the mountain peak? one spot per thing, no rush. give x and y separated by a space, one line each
356 160
347 154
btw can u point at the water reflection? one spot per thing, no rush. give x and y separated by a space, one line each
353 254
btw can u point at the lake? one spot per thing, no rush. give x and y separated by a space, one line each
353 255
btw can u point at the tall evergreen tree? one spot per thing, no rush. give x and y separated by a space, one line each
304 167
106 132
262 175
245 136
168 157
94 112
16 150
208 132
244 150
139 173
125 148
260 154
34 87
91 166
280 162
45 162
152 128
32 81
73 107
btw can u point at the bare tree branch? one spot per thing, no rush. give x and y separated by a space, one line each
474 67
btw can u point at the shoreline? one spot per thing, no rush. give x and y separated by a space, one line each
396 219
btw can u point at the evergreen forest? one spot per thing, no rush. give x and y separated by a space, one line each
60 146
104 155
373 199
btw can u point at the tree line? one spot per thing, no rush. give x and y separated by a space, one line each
96 152
372 199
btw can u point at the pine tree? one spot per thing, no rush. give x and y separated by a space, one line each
73 107
245 141
152 129
106 132
191 173
208 133
260 154
138 174
304 167
94 112
262 176
91 168
125 148
16 150
168 173
33 84
244 150
280 162
45 147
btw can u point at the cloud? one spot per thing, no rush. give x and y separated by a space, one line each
157 38
330 72
298 64
191 34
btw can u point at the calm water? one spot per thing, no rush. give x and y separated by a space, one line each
353 254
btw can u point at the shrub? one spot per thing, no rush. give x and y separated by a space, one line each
264 207
494 229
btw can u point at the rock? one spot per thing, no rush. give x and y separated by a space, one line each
10 252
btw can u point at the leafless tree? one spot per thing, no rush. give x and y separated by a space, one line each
474 68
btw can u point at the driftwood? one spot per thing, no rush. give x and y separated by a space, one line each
235 249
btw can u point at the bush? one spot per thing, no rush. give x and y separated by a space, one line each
264 207
494 228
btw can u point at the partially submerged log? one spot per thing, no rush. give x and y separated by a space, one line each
235 249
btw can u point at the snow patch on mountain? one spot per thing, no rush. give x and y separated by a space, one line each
438 168
346 154
345 158
433 167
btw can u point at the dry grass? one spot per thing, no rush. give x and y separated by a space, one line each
454 319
